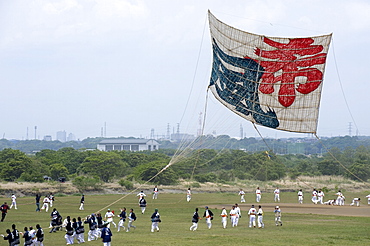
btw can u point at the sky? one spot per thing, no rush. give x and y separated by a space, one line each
122 68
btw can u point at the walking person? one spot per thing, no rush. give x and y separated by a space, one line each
14 201
45 204
238 214
156 218
242 194
4 210
51 199
39 236
188 195
223 217
155 192
209 217
109 218
277 194
142 205
37 200
122 219
258 194
233 214
260 217
300 196
277 212
131 219
195 220
82 202
252 216
69 232
80 231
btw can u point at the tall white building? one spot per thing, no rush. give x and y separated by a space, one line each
62 136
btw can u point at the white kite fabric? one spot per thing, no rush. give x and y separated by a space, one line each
271 81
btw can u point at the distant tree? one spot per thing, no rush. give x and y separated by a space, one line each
13 163
58 170
147 171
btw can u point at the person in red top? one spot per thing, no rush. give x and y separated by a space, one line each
4 209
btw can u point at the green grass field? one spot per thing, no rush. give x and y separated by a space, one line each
176 213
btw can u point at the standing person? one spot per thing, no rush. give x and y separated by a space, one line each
122 219
195 220
39 236
92 234
109 218
300 196
45 204
156 218
54 220
242 194
188 195
15 232
260 217
238 214
258 194
277 194
82 202
368 199
37 199
99 223
14 201
314 196
320 197
224 217
80 236
106 234
4 210
131 219
8 237
233 214
69 231
252 216
27 237
142 205
339 198
32 233
209 217
141 194
51 199
155 192
356 201
277 212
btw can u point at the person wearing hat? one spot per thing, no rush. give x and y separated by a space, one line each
223 217
122 219
195 220
106 234
277 212
156 218
109 218
131 218
252 216
209 217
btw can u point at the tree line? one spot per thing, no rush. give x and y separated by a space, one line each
87 168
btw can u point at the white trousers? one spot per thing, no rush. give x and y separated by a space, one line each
260 221
194 227
258 197
252 220
121 224
224 222
277 198
155 226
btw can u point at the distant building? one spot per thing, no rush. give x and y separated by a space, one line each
62 136
128 144
48 138
182 137
71 137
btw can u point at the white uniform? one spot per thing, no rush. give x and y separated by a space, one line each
258 195
233 214
300 197
208 219
277 195
45 205
224 218
242 194
368 199
260 218
109 218
277 212
314 196
238 215
188 196
340 199
141 195
320 197
14 201
252 216
355 201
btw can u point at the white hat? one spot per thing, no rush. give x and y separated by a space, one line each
277 206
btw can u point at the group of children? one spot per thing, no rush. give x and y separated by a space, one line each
31 236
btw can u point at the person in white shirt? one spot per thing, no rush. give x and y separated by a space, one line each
242 194
320 197
188 195
14 201
45 204
314 196
340 198
238 214
233 214
109 218
209 217
277 212
356 201
252 216
224 217
141 194
368 199
260 217
277 194
258 194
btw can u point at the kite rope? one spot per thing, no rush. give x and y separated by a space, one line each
331 154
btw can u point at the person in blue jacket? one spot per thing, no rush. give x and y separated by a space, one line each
106 234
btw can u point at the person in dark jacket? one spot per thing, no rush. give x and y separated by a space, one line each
142 204
4 209
39 236
106 234
195 220
209 217
9 237
156 218
27 237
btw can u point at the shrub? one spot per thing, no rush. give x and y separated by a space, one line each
126 183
